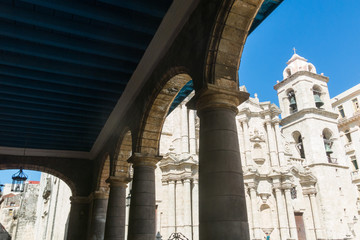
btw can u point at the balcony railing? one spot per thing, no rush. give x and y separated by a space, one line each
293 161
332 160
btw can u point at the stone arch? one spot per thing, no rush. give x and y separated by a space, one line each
104 174
53 172
153 120
227 42
122 153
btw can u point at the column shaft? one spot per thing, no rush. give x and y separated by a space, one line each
116 213
315 214
222 201
271 141
78 219
179 206
255 214
192 136
282 215
142 218
241 143
184 130
98 218
171 208
195 210
248 156
291 216
187 210
280 143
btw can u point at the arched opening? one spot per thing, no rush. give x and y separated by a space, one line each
299 144
288 72
42 208
292 101
148 141
317 96
328 143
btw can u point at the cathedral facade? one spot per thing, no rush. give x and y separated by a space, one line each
300 181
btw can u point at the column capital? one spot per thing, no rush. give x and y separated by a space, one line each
187 180
139 159
98 195
118 181
216 97
309 191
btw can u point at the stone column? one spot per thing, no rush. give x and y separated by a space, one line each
184 130
142 218
171 208
272 147
255 212
98 217
192 136
222 204
195 209
284 233
116 212
290 212
316 216
78 219
187 210
280 143
248 156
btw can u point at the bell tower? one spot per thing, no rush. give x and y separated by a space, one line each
307 116
310 126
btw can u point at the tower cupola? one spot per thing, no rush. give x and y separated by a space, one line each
296 64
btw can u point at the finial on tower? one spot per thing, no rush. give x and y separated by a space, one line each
294 50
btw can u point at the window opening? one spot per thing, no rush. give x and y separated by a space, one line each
348 136
300 147
318 102
341 111
354 163
356 104
292 100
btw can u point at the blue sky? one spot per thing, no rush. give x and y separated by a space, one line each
326 32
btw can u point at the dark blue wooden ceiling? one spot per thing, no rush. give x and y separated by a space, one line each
64 64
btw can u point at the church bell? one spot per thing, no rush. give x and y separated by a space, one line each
328 149
292 102
318 101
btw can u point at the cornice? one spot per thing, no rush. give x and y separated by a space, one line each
298 74
296 116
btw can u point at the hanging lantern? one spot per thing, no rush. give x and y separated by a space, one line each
18 182
318 101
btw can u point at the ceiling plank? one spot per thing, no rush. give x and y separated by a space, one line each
115 36
144 24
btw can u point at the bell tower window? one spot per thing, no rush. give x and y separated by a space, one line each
299 144
292 101
317 97
328 145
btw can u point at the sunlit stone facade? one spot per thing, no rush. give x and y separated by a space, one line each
299 183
